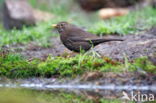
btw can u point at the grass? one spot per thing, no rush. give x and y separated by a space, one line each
132 23
16 66
39 34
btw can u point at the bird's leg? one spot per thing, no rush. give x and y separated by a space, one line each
81 50
94 53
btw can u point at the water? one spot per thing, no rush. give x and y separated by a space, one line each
80 87
111 88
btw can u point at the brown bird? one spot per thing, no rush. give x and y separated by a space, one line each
76 39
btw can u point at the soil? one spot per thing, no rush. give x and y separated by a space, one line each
32 50
133 46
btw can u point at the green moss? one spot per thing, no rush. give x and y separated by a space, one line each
143 63
15 66
74 65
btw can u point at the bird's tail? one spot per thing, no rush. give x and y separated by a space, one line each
102 40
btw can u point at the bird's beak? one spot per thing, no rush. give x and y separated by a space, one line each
54 26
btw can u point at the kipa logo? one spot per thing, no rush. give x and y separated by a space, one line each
137 96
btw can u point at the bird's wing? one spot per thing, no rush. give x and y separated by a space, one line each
81 35
94 41
78 35
89 40
77 39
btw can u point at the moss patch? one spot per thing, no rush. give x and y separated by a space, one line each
15 66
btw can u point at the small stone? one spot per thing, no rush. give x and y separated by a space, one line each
17 13
107 13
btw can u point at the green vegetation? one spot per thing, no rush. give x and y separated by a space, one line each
15 66
134 22
40 33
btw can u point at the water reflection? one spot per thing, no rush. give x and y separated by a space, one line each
109 86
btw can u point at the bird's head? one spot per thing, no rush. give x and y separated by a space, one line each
62 26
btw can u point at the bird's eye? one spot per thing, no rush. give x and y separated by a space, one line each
62 24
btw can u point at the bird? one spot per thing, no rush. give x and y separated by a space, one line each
76 39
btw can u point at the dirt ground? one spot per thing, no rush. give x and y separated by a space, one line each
134 46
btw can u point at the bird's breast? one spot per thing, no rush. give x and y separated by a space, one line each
65 40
